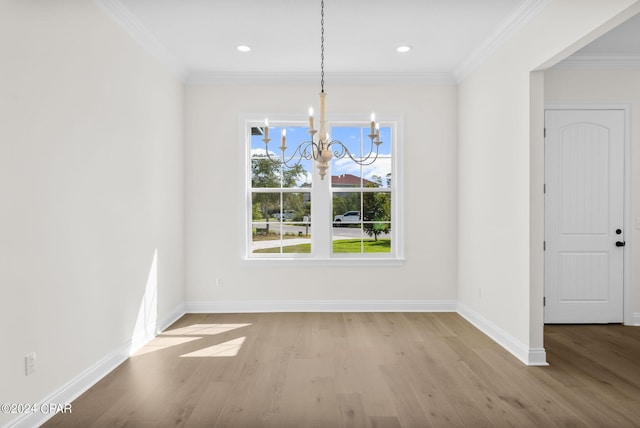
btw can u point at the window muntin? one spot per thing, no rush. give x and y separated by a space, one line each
287 217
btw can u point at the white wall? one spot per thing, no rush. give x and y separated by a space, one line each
500 227
213 192
607 86
91 185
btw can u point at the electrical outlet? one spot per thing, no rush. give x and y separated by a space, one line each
218 282
30 363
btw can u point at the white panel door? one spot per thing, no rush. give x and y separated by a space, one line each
584 216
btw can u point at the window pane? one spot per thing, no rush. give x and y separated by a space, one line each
265 172
257 145
350 137
278 238
341 165
380 245
347 222
346 180
356 140
296 229
265 238
346 207
378 174
376 206
264 206
296 205
270 171
386 140
298 151
347 239
302 246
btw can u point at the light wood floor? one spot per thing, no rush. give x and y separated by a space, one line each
364 370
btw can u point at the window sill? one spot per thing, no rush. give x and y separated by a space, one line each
334 262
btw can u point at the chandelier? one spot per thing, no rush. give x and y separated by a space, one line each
321 148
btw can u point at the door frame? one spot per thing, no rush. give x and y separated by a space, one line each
627 315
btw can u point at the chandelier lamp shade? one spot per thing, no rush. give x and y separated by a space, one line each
320 147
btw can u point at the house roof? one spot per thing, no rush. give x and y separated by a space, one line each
350 180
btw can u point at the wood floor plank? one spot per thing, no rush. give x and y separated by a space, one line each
351 411
512 400
539 402
363 370
384 422
437 362
409 410
209 405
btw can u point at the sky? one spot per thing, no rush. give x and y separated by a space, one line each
354 139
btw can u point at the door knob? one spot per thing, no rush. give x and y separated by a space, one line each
620 244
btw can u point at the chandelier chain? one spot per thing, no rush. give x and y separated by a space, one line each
322 45
321 148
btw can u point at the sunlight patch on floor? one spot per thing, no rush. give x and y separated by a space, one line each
204 329
182 335
160 343
225 349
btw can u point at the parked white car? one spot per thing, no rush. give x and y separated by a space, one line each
348 217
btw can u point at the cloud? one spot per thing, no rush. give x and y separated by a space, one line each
303 178
262 152
381 167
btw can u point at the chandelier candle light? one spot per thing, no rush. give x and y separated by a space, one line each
324 149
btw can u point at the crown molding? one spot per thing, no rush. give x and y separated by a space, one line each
119 13
308 78
527 10
600 61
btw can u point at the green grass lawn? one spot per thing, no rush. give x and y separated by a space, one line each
341 246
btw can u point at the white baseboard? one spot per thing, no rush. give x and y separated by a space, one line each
142 338
259 306
635 319
74 388
89 377
529 356
171 317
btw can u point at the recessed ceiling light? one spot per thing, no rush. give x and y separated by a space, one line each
403 49
243 48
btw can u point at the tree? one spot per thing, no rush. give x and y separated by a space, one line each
345 201
377 213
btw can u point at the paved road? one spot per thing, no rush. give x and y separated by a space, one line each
338 233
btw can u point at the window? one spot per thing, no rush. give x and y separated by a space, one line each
293 214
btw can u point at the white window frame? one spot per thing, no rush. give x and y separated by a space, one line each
322 199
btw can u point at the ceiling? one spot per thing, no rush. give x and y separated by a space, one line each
198 38
621 44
